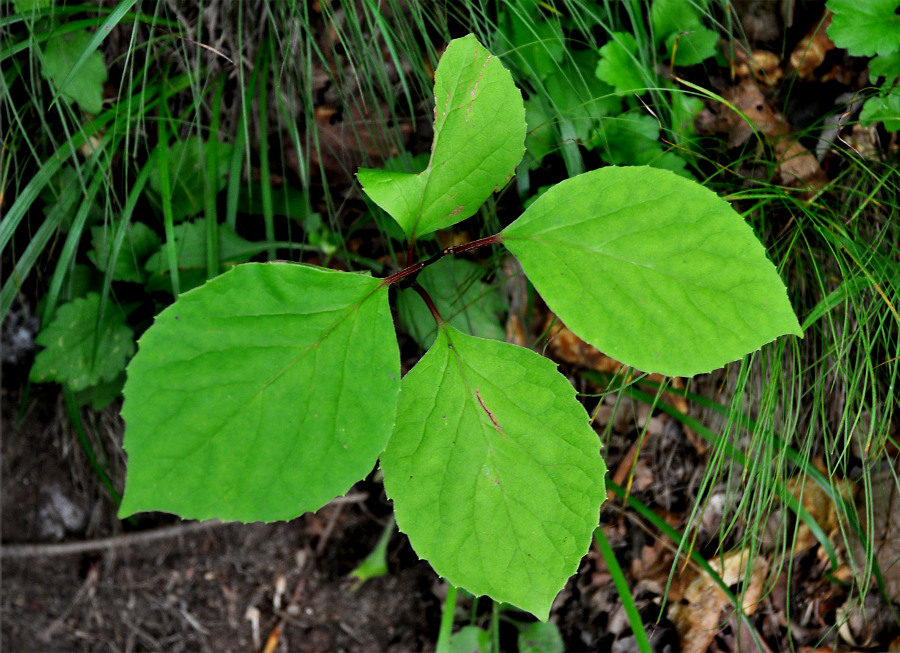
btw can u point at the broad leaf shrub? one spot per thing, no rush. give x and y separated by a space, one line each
866 29
273 388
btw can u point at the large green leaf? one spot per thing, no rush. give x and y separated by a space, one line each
494 471
655 270
261 395
479 136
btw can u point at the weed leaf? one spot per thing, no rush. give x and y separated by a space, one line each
654 270
495 474
79 353
261 395
190 248
86 87
884 108
187 160
618 65
140 242
865 28
479 135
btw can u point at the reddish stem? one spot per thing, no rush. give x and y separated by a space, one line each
453 250
429 302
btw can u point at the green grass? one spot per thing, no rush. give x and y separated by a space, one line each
822 408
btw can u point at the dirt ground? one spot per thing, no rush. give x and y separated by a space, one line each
72 580
210 587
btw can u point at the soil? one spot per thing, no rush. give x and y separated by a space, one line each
209 587
75 578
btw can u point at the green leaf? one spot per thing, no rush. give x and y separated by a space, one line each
632 139
470 639
461 297
542 135
540 637
30 6
288 201
573 101
887 66
685 108
140 241
494 471
190 245
187 160
79 353
375 564
479 135
618 65
63 195
654 270
104 393
884 109
865 28
580 97
694 46
669 17
537 45
86 87
261 395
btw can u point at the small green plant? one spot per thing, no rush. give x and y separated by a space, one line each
597 95
872 29
273 388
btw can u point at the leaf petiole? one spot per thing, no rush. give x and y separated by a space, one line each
453 250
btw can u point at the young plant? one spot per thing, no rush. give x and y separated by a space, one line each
273 388
872 30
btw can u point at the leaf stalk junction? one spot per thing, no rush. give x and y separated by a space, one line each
408 276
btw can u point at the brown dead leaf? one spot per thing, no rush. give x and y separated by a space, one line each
764 66
796 166
748 99
864 141
885 528
818 504
653 566
698 613
566 346
515 332
810 52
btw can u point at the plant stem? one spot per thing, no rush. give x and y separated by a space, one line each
453 250
495 626
429 302
443 643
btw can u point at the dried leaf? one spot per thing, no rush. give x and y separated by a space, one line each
796 166
697 615
810 52
819 505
